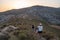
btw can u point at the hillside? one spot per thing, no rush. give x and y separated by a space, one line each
49 14
26 32
24 18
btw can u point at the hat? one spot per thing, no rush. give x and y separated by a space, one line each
40 24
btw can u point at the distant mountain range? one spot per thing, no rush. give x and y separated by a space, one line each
49 14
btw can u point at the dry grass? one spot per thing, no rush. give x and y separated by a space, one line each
26 33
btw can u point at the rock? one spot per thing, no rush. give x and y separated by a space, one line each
4 36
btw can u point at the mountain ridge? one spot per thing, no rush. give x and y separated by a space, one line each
49 14
32 6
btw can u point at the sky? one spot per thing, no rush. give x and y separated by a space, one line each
16 4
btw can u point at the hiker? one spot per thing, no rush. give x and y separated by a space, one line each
33 27
40 28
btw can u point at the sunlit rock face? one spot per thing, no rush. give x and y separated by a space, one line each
49 14
5 32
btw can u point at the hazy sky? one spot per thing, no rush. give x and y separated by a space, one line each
16 4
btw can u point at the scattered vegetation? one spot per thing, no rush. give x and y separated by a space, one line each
26 33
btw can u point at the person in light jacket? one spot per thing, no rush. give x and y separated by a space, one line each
40 28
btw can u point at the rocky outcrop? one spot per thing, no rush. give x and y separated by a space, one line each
5 32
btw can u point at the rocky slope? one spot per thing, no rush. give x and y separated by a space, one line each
49 14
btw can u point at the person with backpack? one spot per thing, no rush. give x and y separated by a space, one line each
40 28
